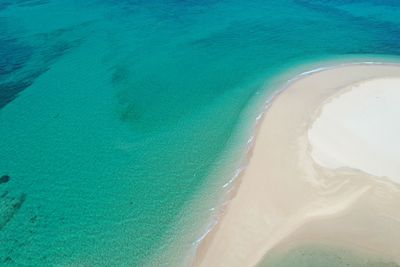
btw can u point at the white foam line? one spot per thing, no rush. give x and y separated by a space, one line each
250 140
236 175
208 230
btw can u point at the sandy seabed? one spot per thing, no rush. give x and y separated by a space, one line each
324 170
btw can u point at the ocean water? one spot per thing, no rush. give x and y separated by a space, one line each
121 121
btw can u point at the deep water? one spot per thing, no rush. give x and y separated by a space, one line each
113 114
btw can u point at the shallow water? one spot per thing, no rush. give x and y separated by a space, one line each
322 255
113 114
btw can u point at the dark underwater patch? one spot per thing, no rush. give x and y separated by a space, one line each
10 90
128 111
32 3
5 4
387 40
13 55
9 207
4 179
21 64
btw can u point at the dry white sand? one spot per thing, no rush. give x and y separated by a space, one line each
361 129
286 198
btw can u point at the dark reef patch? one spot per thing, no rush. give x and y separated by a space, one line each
121 80
4 179
10 90
32 3
8 260
9 206
23 57
22 3
33 219
4 4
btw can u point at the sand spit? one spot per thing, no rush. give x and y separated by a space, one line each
299 186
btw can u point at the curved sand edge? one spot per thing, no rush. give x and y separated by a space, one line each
284 197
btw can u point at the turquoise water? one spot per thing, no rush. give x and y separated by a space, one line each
115 115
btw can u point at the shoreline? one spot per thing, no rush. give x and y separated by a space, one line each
202 244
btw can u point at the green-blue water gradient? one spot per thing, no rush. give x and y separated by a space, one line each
113 114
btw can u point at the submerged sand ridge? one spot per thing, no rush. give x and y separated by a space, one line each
307 182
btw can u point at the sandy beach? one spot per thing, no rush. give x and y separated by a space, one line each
324 169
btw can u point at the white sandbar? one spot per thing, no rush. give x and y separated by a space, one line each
360 129
293 191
